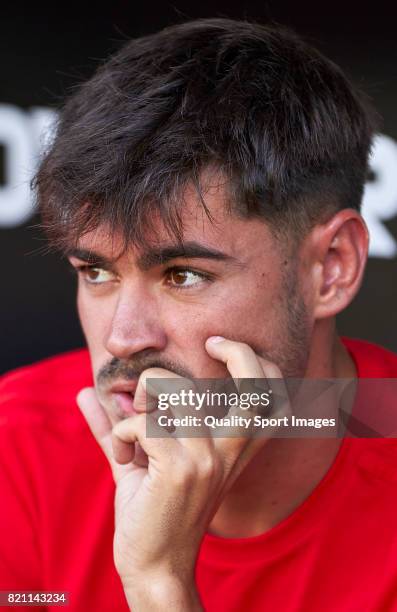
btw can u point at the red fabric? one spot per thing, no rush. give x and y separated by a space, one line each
336 552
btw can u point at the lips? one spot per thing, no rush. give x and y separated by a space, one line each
125 403
126 386
123 394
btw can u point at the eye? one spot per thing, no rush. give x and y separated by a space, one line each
181 278
94 275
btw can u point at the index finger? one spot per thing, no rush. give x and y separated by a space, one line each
152 382
243 363
240 359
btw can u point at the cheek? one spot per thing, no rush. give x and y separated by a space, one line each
187 327
243 312
236 317
87 316
93 319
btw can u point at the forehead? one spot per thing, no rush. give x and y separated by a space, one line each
214 226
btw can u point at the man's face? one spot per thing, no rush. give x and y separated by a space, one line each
156 307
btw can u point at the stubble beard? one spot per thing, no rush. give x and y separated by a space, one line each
293 347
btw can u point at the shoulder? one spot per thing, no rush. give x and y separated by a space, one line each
33 393
372 360
46 447
375 458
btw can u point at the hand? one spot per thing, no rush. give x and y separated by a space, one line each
162 511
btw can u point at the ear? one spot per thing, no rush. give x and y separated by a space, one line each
334 256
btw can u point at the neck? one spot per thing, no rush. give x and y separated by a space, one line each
267 491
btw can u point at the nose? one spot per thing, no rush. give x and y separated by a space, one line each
135 324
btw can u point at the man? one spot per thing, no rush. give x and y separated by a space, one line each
205 183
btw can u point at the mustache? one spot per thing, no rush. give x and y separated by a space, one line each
131 369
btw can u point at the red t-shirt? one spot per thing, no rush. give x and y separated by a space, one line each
337 552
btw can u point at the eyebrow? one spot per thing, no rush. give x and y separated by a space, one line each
157 256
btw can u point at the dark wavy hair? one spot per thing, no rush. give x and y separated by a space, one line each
281 123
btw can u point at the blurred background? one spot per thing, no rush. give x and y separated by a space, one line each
45 51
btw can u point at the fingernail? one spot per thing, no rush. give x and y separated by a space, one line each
215 339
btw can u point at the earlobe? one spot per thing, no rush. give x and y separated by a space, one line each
341 248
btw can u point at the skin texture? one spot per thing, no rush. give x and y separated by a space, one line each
275 308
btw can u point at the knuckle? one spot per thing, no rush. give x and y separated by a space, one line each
118 430
184 475
241 350
150 373
184 384
140 420
188 472
273 371
270 368
209 468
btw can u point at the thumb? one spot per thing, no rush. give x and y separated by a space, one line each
97 419
101 428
